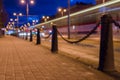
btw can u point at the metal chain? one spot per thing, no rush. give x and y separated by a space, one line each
79 40
47 36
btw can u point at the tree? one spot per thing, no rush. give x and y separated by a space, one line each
3 15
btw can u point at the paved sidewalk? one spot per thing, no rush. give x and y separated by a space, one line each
23 60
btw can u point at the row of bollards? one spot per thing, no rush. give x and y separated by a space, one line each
106 57
38 40
54 45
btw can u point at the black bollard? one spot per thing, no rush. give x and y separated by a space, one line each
23 35
106 58
54 39
31 39
38 40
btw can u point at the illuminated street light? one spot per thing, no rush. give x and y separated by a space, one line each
34 22
17 15
45 18
11 24
11 19
32 2
28 24
22 1
16 20
27 2
62 10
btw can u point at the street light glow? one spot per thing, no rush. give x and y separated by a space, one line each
16 20
14 14
59 9
32 1
22 1
20 14
27 2
36 20
17 15
45 18
62 10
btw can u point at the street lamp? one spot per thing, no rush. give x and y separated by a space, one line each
10 24
62 10
17 15
68 19
45 18
34 22
27 2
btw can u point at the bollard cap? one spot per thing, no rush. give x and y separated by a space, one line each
107 18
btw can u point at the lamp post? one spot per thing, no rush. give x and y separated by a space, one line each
27 2
62 10
104 8
68 19
17 15
34 22
103 1
45 18
10 24
12 21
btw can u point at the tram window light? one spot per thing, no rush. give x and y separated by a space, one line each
73 26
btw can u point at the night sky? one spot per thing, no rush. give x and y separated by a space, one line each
40 8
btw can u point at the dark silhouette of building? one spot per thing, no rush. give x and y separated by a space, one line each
3 15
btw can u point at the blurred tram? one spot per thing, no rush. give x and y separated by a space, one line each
85 20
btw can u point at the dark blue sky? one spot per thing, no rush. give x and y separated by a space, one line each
40 8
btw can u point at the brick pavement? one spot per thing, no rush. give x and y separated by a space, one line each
22 60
